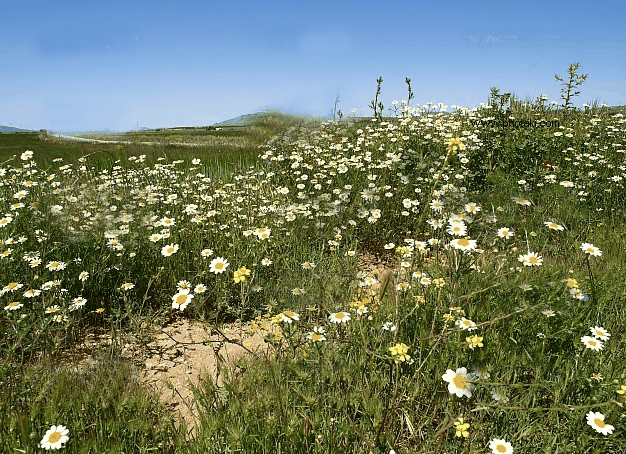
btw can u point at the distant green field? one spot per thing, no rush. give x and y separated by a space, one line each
229 144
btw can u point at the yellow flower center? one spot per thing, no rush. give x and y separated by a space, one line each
219 266
54 437
533 260
12 285
501 448
592 343
600 423
13 304
316 337
180 299
600 333
590 250
290 314
463 242
459 381
340 315
54 264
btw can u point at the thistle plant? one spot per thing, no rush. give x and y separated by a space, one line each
411 95
375 104
574 81
336 112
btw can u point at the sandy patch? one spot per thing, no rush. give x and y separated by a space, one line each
175 358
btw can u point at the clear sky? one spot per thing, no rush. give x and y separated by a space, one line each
108 64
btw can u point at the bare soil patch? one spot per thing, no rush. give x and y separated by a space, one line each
175 358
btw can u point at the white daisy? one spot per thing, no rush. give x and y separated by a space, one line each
463 244
600 333
592 343
498 446
531 259
181 299
218 265
464 323
596 420
339 317
77 303
32 293
554 226
169 249
13 306
56 266
472 208
54 438
457 382
289 316
389 326
591 249
457 228
317 335
436 205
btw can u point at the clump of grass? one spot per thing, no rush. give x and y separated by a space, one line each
103 406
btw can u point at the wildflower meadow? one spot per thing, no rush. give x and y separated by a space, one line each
498 326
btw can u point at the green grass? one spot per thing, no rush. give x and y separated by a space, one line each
230 146
328 194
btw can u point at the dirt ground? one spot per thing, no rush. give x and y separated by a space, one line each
176 358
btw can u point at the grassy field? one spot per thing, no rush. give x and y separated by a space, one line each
499 329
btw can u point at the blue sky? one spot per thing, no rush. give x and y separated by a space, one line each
96 65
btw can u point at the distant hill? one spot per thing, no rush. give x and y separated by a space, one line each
13 129
245 120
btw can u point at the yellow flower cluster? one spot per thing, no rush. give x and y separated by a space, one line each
240 274
399 352
572 283
404 251
461 428
474 341
439 282
364 303
455 144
